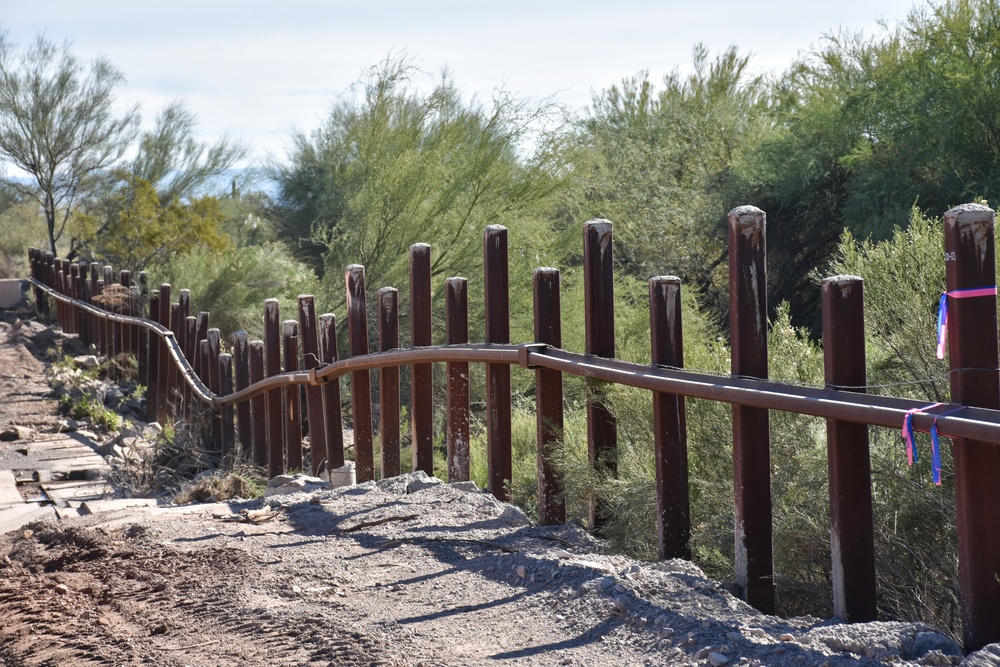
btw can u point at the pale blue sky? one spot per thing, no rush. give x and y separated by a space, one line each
256 69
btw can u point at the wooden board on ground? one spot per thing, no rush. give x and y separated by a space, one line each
9 495
95 506
76 490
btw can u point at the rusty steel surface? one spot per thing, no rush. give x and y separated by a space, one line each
331 393
548 397
599 325
361 392
496 286
241 366
456 307
272 368
673 504
225 388
152 360
258 406
751 426
970 255
293 408
214 340
422 375
309 344
852 533
388 380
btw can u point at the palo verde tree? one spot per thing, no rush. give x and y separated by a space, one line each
57 124
394 166
175 162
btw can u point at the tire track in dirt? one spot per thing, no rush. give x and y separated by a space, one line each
78 597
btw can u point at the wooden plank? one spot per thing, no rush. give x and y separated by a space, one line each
95 506
9 495
76 490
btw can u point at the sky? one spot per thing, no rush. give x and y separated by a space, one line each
256 70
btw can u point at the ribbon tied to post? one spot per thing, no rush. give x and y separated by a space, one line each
911 445
942 323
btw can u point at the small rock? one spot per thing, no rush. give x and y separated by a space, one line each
421 484
67 425
296 589
717 659
987 656
11 433
468 487
786 637
522 571
515 515
61 589
86 361
666 633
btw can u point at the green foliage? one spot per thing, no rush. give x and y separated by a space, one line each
233 285
396 167
178 165
57 123
651 161
21 227
134 230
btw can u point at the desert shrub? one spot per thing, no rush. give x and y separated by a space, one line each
233 286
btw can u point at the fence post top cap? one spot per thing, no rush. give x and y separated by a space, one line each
745 211
665 279
969 213
546 269
303 297
841 279
387 290
420 246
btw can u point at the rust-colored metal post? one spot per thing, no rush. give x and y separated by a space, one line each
275 404
309 343
599 316
388 378
225 388
331 393
163 371
258 405
970 256
129 333
96 287
60 286
422 378
184 304
74 279
852 534
673 505
175 402
109 326
751 426
153 362
293 408
548 397
241 362
143 340
190 345
361 392
214 341
456 306
499 461
201 333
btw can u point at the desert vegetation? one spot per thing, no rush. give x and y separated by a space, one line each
853 151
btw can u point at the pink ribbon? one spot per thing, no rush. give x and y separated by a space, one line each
942 324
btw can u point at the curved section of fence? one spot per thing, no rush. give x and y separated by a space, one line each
261 415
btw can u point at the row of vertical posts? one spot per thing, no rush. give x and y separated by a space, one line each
269 429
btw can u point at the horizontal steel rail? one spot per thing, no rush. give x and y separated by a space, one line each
972 423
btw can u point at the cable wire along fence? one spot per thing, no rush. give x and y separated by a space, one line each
254 393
